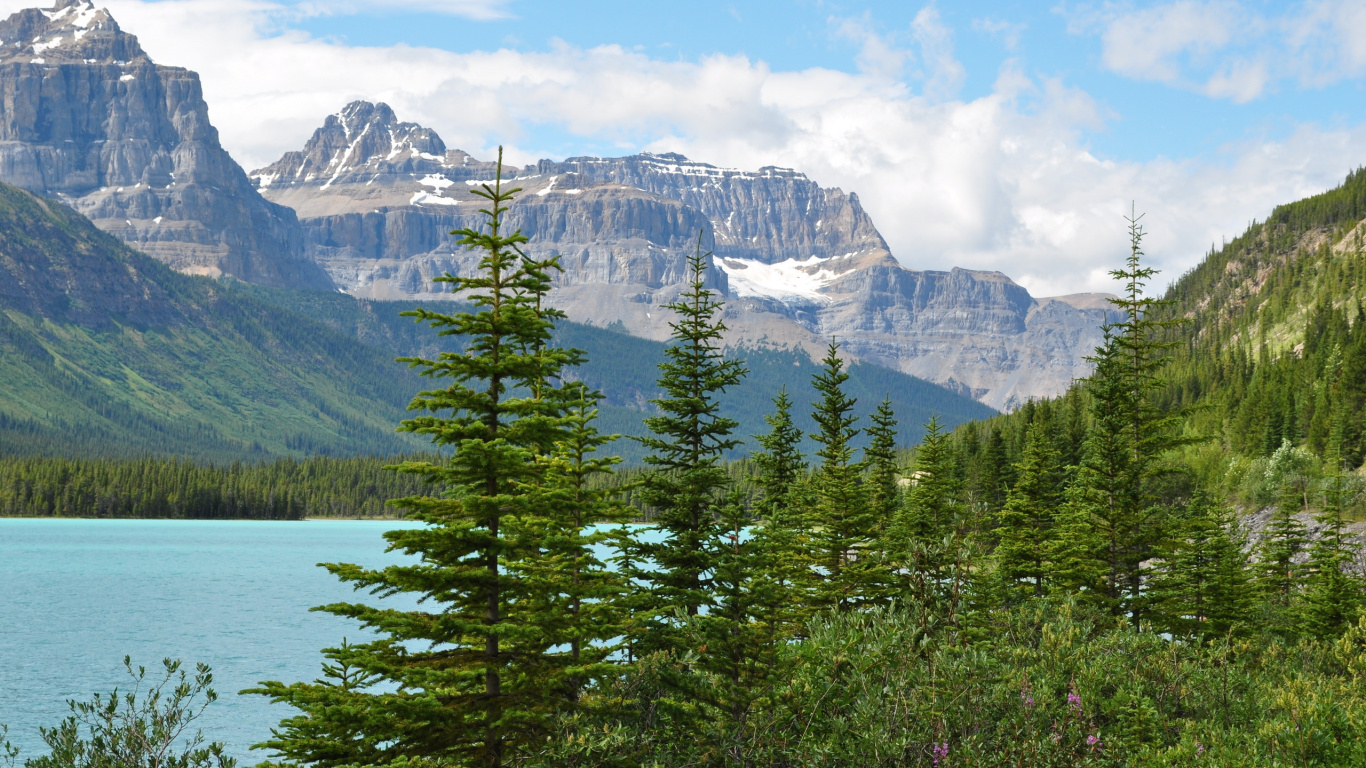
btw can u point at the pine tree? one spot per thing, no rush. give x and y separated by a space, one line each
1129 434
843 524
880 458
1202 589
1333 597
479 675
1027 519
687 483
782 591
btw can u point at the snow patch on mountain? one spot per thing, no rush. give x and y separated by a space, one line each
791 281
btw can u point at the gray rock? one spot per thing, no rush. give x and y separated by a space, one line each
86 117
800 264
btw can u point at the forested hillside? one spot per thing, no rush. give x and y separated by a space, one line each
1265 350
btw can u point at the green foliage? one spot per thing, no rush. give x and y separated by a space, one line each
844 526
687 485
285 489
148 726
480 679
1049 684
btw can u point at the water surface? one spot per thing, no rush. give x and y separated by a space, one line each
76 596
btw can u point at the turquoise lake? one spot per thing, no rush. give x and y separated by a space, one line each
76 596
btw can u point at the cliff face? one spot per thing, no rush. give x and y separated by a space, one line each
86 117
799 264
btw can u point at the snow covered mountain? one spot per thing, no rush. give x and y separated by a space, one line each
800 263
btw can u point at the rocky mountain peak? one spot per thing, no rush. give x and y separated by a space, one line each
90 119
363 136
72 31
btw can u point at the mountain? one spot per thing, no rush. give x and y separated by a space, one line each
799 263
106 351
89 119
1272 341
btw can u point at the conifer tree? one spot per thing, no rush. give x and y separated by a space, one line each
1284 540
1129 434
1027 519
574 582
932 511
782 592
1202 589
880 458
688 482
1333 596
478 674
844 526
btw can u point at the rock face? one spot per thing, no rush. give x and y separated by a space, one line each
799 264
86 117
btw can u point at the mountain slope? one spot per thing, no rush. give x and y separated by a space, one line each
799 263
90 119
106 351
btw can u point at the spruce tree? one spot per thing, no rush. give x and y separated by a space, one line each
575 582
880 458
1129 435
843 524
1285 539
1026 524
1333 596
687 483
1202 587
479 673
782 590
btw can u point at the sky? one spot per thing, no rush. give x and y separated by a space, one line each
1010 136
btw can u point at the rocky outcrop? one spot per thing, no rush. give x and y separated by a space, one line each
799 264
86 117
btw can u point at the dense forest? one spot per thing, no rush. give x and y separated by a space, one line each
285 489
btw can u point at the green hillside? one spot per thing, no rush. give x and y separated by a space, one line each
107 352
1267 347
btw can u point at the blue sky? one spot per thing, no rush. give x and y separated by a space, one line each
1006 136
1144 118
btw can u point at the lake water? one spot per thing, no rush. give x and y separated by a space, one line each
76 596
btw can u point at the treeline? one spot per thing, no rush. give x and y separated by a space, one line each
285 489
1053 590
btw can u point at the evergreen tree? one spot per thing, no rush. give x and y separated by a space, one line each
1333 596
1129 434
1285 539
929 549
481 675
932 511
1202 588
782 593
575 582
1027 519
880 458
996 473
688 440
843 524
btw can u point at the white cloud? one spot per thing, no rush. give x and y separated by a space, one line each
1227 49
1000 182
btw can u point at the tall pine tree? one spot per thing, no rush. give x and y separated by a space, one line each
687 483
479 673
843 524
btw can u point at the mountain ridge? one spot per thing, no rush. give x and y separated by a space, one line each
799 263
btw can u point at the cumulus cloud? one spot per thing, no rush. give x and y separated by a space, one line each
1004 181
1227 49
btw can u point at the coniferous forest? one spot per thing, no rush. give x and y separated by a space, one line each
1073 583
